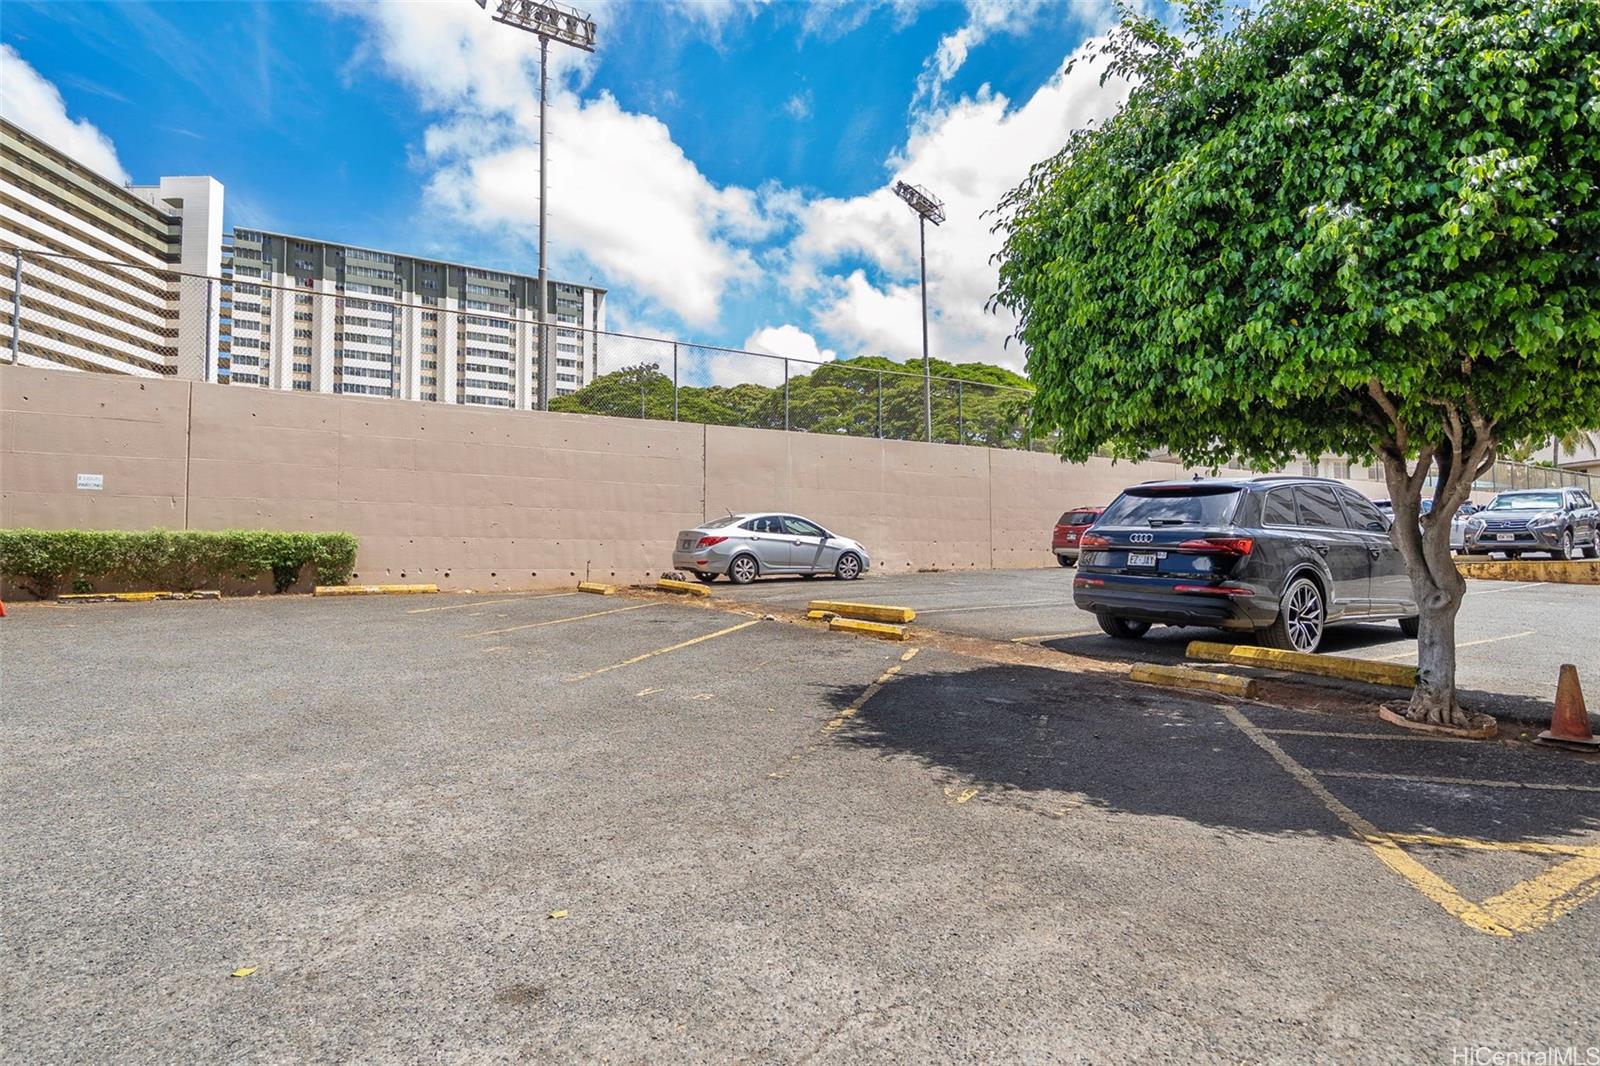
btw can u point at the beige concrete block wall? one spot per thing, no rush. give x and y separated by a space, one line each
55 425
488 498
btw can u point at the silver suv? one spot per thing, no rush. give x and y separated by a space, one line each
1564 522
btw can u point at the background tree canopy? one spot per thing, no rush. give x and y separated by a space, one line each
974 402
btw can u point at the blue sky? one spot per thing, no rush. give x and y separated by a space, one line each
722 168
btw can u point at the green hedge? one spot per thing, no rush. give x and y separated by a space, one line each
45 561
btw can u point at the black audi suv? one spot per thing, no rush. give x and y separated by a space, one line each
1282 557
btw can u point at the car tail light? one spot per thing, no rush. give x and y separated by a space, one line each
1214 590
1087 583
1094 540
1220 545
706 542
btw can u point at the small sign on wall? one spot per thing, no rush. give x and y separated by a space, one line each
91 482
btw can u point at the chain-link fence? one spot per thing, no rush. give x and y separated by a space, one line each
249 331
85 314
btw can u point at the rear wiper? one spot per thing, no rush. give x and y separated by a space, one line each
1154 522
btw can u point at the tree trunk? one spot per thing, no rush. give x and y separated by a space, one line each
1436 585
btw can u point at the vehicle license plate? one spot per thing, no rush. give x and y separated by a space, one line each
685 545
1142 559
1505 536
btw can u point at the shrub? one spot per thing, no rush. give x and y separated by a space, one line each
43 561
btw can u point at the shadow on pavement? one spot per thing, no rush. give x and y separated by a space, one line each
1045 739
1166 644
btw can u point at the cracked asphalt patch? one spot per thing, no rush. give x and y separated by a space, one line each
379 809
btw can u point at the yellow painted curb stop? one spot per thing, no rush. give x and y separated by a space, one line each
138 597
820 616
667 584
1555 571
868 629
869 612
1188 677
1373 673
371 590
597 588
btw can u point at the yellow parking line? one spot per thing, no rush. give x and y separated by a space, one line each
1383 847
663 651
1531 847
486 603
861 701
558 621
1054 636
1541 900
1467 644
1368 775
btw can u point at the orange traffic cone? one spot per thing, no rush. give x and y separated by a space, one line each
2 608
1570 723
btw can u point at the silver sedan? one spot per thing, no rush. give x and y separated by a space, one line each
746 546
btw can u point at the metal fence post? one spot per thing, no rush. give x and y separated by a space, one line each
644 377
961 425
880 405
786 394
674 381
205 372
16 306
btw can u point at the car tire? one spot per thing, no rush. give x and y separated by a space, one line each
705 578
1122 628
1062 560
1302 617
1594 549
744 569
1410 626
1566 551
848 568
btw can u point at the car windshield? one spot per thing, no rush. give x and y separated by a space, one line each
719 523
1200 505
1527 501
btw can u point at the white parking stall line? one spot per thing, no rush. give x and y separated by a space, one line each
994 607
1464 644
1508 588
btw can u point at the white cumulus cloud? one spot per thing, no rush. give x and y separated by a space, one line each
969 153
623 196
29 101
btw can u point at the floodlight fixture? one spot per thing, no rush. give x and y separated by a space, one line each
921 200
554 21
929 208
569 26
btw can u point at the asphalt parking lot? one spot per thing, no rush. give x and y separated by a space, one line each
563 826
1513 636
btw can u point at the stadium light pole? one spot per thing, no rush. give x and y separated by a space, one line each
929 208
550 22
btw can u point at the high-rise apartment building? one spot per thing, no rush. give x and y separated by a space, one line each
103 266
306 314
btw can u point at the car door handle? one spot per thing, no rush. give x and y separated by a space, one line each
1376 553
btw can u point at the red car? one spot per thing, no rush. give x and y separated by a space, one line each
1069 530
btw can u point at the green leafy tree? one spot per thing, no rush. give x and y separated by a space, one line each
973 403
1365 228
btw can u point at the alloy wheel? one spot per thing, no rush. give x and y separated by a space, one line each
743 570
1303 609
849 567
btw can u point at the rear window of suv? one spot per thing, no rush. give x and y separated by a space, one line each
1078 518
1202 505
